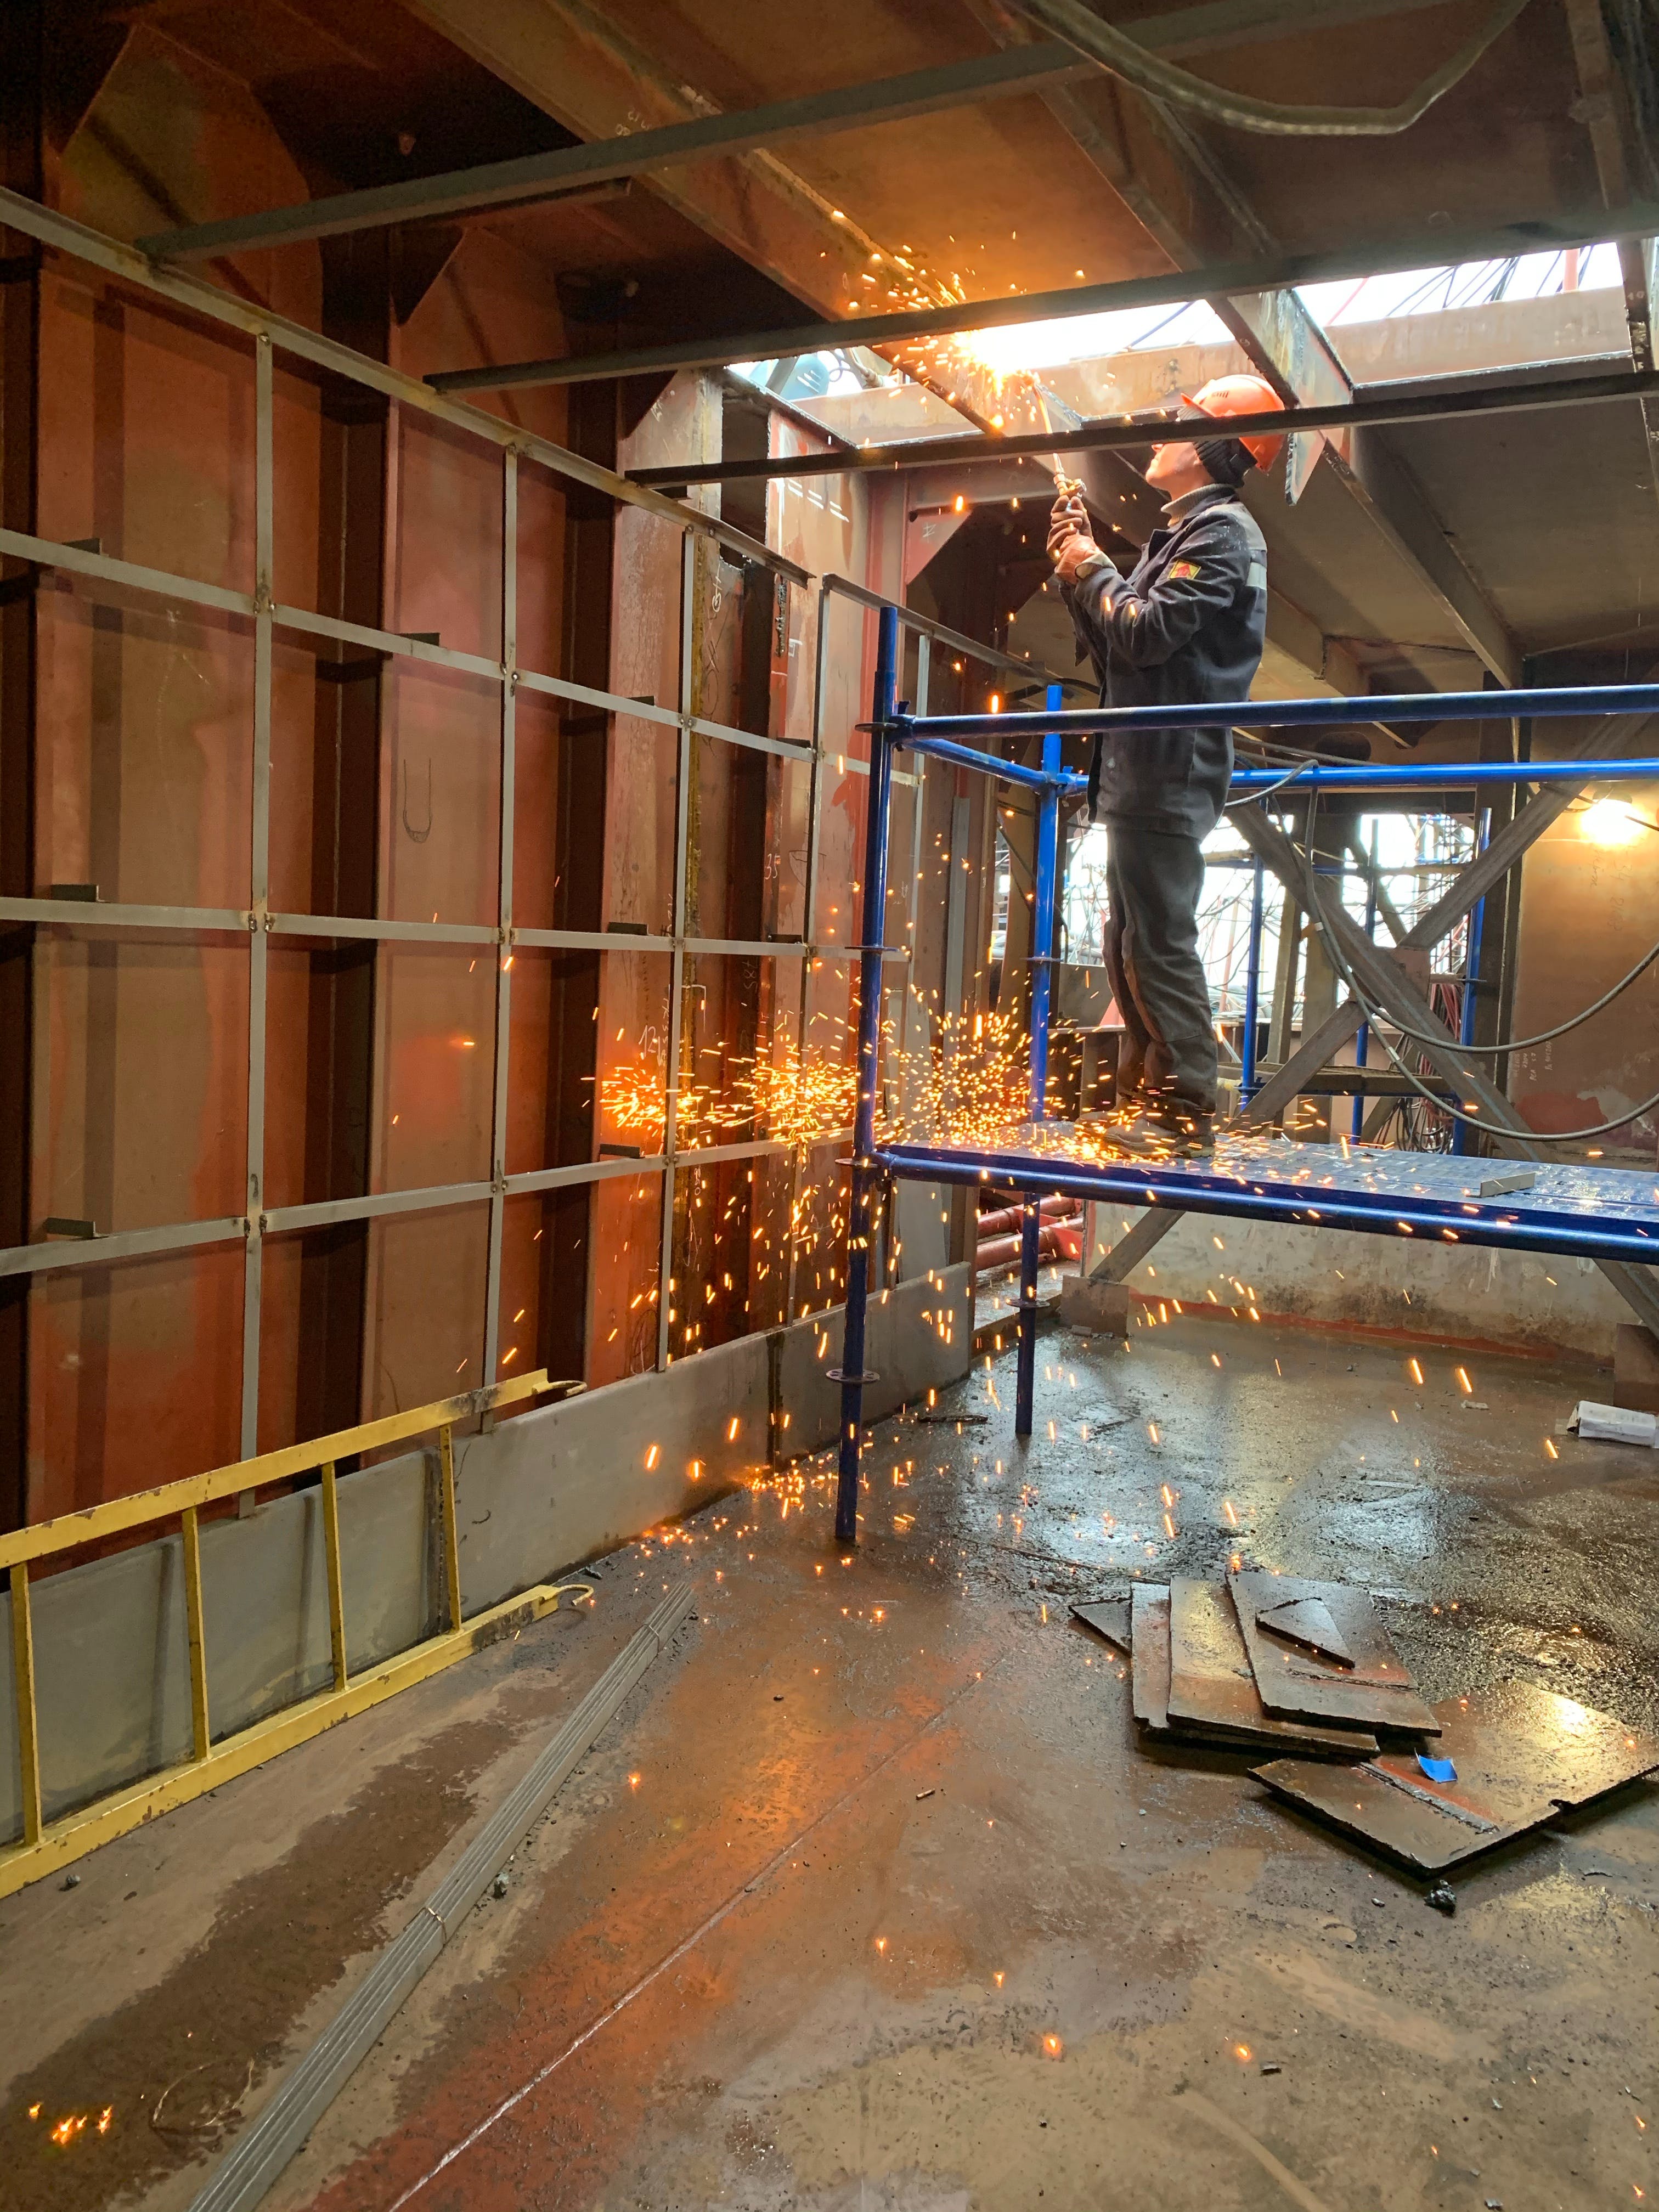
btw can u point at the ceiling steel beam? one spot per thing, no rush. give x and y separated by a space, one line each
1263 272
1601 108
1184 32
1396 505
1172 184
1216 26
546 176
572 59
1443 404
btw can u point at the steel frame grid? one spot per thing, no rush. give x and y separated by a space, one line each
257 923
1611 1240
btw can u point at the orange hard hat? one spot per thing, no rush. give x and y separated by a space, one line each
1244 395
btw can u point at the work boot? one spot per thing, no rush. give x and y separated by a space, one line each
1118 1116
1167 1129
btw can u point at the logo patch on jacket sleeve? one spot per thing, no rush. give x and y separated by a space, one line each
1180 570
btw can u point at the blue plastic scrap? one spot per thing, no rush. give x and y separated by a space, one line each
1437 1770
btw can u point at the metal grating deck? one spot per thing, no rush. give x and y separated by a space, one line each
1573 1207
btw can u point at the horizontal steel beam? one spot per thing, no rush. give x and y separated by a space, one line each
1401 405
161 583
988 656
114 913
216 920
54 1258
1266 273
541 176
51 1259
1009 72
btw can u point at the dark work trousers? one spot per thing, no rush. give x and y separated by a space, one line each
1153 880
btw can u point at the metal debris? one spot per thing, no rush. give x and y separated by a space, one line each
1502 1186
1307 1621
1108 1617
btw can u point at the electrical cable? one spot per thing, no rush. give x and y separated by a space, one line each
1257 751
1544 1037
1377 1017
1250 798
1076 25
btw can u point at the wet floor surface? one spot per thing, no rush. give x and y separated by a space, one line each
870 1900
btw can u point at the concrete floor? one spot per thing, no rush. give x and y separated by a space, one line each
870 1898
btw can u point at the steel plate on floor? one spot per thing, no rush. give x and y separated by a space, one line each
1375 1691
1149 1656
1212 1688
1519 1755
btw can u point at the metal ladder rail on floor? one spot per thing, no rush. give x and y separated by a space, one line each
45 1846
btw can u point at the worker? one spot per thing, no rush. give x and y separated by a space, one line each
1185 626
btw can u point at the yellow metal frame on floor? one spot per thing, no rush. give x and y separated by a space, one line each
48 1845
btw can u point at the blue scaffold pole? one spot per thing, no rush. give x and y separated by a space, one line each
1247 1082
1046 874
1461 1134
1362 1042
873 908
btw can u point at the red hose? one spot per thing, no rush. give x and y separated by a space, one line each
1008 1217
1055 1241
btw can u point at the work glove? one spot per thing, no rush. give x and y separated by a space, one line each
1067 518
1072 552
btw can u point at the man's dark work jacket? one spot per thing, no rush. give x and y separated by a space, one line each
1186 628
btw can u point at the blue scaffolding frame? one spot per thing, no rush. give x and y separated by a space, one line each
1579 1219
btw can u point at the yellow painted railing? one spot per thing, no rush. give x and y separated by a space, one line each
45 1845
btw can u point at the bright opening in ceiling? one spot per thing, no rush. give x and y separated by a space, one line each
1059 341
1610 822
1470 284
